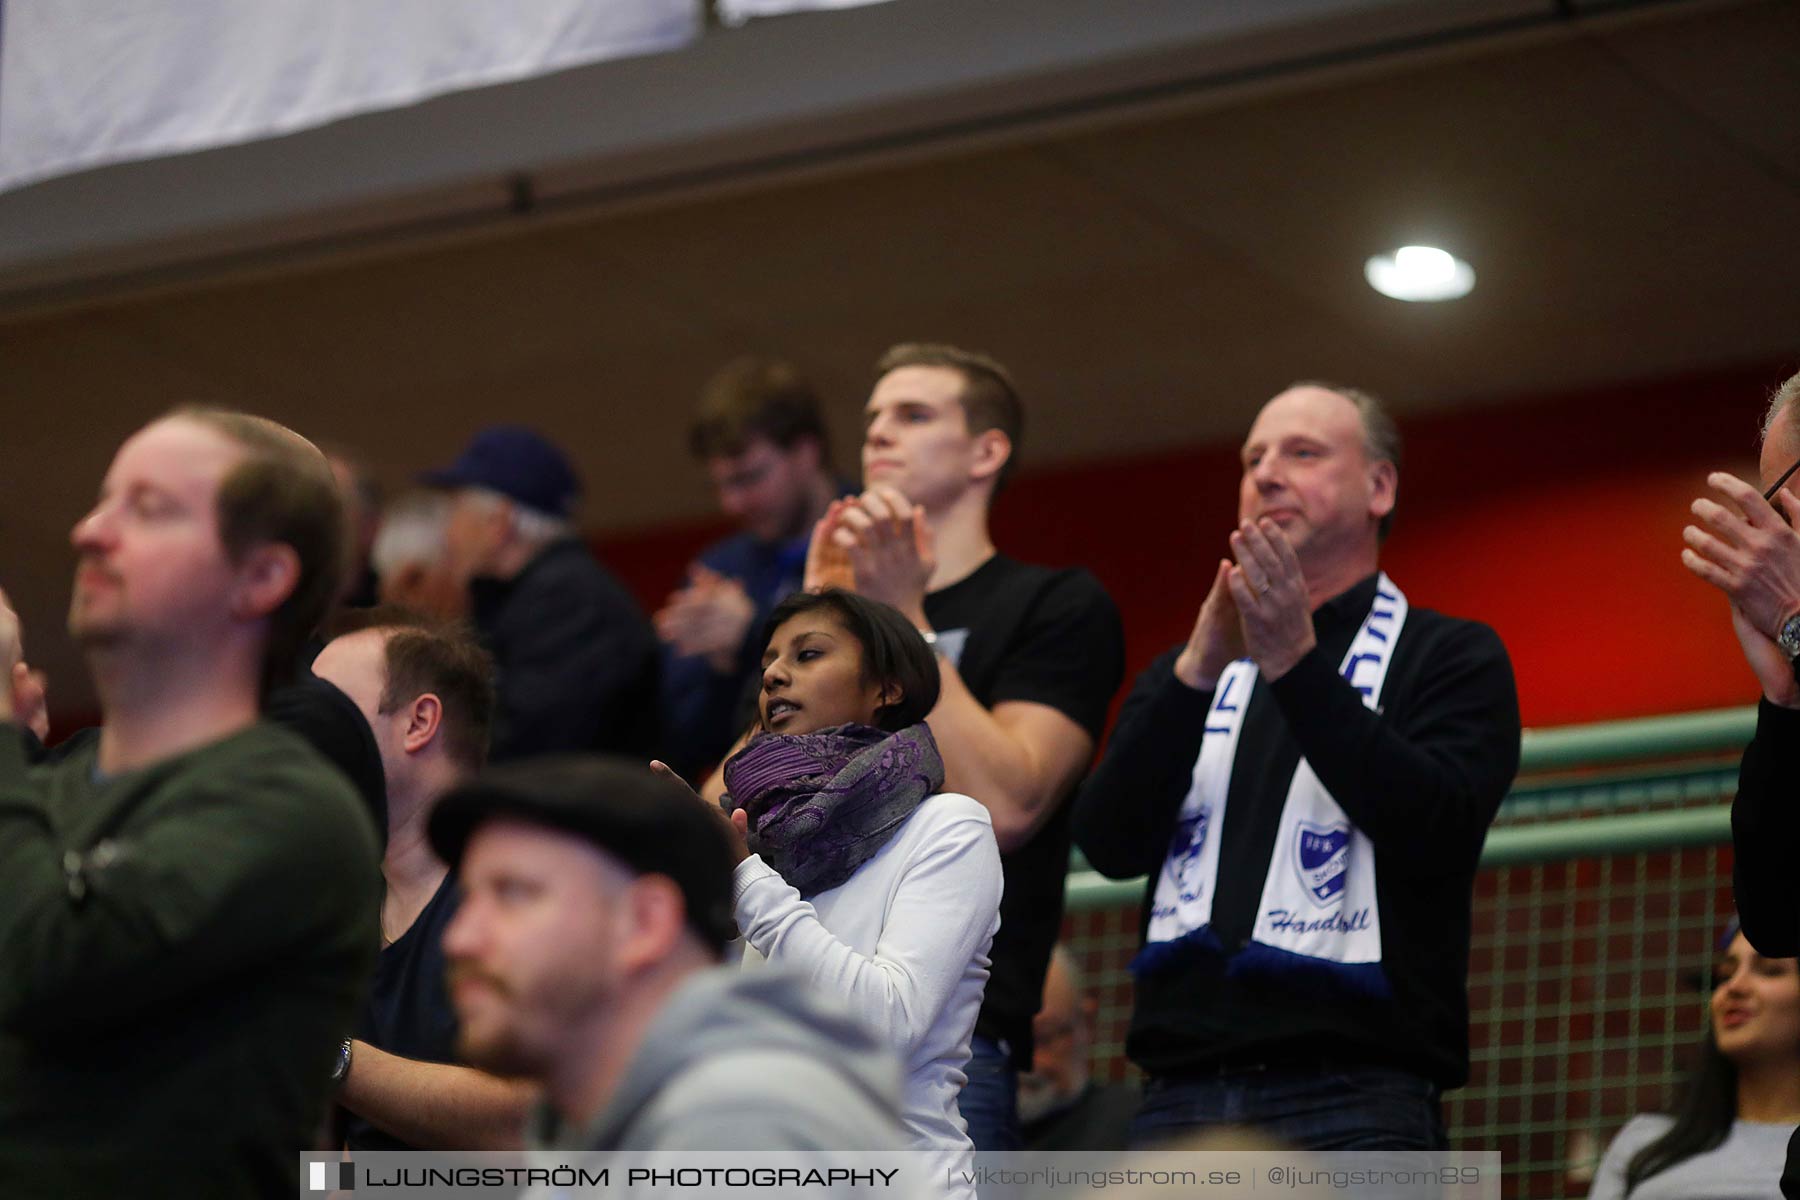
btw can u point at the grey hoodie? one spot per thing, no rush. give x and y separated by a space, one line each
747 1060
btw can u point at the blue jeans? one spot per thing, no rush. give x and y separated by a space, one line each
990 1099
1311 1108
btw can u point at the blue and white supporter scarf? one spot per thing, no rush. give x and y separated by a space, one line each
1318 911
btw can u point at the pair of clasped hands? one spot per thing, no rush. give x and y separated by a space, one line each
1258 608
1746 549
876 544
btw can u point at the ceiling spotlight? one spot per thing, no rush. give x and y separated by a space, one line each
1419 273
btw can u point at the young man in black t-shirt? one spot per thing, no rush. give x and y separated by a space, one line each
428 696
1031 658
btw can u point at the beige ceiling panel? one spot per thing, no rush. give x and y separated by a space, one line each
882 241
1742 78
1572 188
418 323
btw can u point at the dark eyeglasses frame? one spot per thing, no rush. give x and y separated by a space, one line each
1770 494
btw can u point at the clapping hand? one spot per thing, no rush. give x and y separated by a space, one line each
890 548
828 562
709 617
1269 589
23 701
1746 550
1217 638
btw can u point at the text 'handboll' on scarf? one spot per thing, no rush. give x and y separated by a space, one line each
1318 914
822 804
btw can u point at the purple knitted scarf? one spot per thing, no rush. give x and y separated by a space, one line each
821 804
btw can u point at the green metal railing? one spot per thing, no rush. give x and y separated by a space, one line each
1603 885
1679 736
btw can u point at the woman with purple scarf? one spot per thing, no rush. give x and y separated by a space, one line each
858 869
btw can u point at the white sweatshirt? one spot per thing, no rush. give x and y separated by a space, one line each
905 942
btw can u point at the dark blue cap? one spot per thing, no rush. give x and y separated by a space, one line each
517 462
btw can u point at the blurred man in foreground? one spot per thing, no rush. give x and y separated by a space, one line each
188 915
586 957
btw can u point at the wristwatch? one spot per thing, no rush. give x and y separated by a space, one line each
1788 636
342 1067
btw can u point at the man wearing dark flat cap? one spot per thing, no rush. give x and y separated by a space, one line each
586 956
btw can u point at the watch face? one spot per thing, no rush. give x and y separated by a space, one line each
1789 636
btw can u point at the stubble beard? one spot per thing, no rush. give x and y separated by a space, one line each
507 1051
91 632
500 1054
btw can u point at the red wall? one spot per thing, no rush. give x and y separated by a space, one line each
1555 519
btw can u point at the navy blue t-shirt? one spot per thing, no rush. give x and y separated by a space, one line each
408 1011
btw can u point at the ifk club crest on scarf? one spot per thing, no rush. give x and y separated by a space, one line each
1318 910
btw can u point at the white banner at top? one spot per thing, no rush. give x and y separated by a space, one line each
736 12
90 82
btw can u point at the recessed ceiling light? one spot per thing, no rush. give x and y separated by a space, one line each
1419 273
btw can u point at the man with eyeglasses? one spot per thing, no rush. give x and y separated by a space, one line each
760 435
1745 545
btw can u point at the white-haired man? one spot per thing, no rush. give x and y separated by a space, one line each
577 658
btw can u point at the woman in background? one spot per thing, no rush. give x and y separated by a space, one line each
1727 1139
